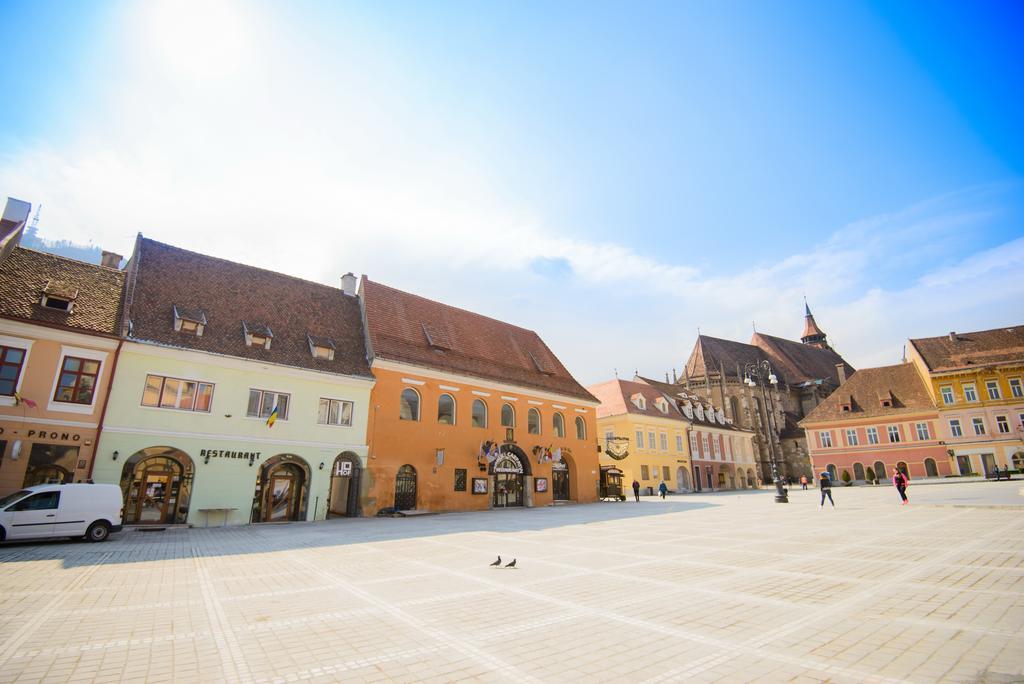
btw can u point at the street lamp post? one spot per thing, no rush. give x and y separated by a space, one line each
760 373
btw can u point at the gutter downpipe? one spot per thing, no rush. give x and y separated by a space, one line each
106 403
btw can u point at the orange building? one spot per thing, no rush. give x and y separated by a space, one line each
469 413
58 346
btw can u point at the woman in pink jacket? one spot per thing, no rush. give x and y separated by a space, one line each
900 481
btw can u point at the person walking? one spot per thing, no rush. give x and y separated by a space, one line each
636 490
900 481
663 488
803 482
825 485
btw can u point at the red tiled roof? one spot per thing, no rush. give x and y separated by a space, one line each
232 295
972 349
616 397
797 362
864 391
411 329
712 353
26 273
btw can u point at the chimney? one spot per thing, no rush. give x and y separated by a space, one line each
348 284
110 259
841 371
952 336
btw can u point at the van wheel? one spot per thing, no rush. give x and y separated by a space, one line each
98 531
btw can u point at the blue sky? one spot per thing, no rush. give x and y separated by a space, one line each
613 175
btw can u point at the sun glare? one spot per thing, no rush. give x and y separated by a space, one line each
200 38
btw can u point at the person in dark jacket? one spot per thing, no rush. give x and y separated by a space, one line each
636 490
663 488
825 485
900 481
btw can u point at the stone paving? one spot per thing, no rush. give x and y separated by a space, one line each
719 587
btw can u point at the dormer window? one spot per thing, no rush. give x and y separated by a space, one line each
436 338
321 347
257 334
661 404
189 321
59 296
639 401
542 365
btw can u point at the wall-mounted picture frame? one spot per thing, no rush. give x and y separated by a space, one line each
540 484
479 485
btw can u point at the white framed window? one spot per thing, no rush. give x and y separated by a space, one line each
663 441
704 443
12 362
262 403
922 431
1016 390
992 387
174 393
1002 424
651 444
851 437
479 413
716 446
334 412
693 444
661 404
639 439
581 428
446 409
979 425
947 394
558 425
508 415
970 393
872 434
679 442
894 433
955 429
409 404
639 401
826 438
533 421
77 382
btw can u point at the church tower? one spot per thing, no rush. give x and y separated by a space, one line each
813 335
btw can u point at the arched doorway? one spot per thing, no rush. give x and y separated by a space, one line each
902 466
742 478
560 490
343 500
508 473
858 472
721 480
405 488
283 490
833 474
751 479
156 484
682 480
880 472
930 469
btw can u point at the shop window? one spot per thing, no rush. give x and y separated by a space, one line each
479 413
533 422
50 464
446 409
185 395
581 428
334 412
262 403
558 425
409 405
508 416
77 381
11 360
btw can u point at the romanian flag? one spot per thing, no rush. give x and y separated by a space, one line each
18 399
272 418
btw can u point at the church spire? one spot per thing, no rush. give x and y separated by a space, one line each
813 335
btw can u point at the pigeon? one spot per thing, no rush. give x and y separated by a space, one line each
497 563
512 564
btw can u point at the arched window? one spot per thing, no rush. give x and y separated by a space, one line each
479 413
880 471
558 425
858 471
409 408
533 422
508 416
581 428
929 467
446 409
833 474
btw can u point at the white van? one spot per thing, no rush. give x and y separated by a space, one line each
92 511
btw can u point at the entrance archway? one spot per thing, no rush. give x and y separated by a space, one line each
156 483
343 500
721 480
751 479
282 493
742 478
682 480
930 469
405 488
508 473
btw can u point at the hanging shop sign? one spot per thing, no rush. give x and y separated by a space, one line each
508 463
344 469
617 447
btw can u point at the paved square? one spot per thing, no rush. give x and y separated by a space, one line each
721 587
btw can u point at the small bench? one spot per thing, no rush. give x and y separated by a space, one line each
225 511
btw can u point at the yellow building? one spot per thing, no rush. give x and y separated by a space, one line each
686 445
976 380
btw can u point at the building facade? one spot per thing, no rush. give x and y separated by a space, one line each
976 380
470 413
879 419
241 395
58 347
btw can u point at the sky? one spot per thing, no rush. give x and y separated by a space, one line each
615 176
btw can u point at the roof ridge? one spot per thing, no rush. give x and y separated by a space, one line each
61 257
969 332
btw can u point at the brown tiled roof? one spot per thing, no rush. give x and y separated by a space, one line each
671 391
411 329
867 387
616 397
25 273
710 353
797 363
973 349
228 294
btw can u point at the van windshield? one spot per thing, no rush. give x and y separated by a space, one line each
11 498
